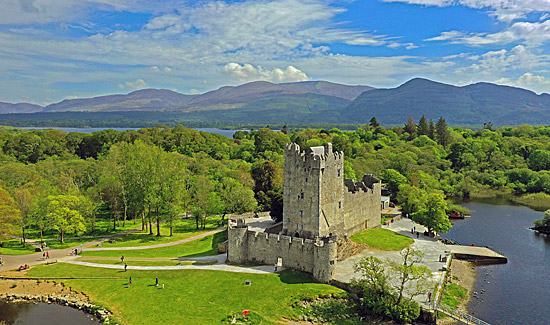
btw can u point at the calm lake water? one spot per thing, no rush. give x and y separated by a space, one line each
226 133
43 314
516 292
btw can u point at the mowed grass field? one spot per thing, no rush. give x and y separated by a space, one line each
382 239
201 247
190 296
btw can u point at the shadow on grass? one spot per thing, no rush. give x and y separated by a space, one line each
218 238
295 277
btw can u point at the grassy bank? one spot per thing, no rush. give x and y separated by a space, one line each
201 247
536 201
14 247
382 239
190 296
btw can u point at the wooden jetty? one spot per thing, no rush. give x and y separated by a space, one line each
476 254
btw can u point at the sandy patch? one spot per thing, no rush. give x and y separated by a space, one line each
40 287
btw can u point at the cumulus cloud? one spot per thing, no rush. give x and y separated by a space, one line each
133 85
248 72
156 69
537 83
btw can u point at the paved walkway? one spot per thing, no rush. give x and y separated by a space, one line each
219 266
12 262
173 243
431 247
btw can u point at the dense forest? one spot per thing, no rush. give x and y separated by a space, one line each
52 181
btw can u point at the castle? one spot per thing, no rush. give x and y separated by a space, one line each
319 208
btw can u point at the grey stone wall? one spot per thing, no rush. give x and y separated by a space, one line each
316 257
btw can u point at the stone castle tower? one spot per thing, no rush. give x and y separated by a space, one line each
318 202
319 207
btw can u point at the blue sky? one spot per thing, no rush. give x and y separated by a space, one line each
52 50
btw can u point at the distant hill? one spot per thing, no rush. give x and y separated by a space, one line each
473 104
320 102
140 100
6 108
228 97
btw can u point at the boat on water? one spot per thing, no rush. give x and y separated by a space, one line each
456 216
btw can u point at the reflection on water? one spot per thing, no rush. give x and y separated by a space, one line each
516 292
43 314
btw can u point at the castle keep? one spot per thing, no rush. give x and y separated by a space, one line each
319 208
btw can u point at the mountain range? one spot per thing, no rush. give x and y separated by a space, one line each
322 102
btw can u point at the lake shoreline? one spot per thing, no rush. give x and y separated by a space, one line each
49 292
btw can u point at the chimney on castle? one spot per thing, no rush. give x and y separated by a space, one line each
328 148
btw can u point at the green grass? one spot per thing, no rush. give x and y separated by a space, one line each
182 228
190 296
382 239
103 227
150 263
385 219
14 247
201 247
537 201
453 295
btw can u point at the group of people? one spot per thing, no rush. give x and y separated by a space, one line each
46 255
23 267
75 251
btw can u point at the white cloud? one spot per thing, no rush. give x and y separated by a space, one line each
248 72
133 85
194 91
156 69
537 83
529 33
503 10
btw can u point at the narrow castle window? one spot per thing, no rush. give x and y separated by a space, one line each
305 170
306 179
339 172
302 195
301 213
339 204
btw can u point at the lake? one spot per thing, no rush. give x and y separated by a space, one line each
43 314
225 133
516 292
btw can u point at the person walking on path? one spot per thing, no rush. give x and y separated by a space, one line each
47 255
1 261
130 280
125 267
122 259
44 255
157 281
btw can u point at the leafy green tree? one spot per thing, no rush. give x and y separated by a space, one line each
374 123
387 288
393 180
23 200
433 214
63 215
235 197
539 160
10 216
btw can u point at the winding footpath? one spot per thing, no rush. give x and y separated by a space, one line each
64 255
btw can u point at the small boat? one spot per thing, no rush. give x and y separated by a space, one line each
456 216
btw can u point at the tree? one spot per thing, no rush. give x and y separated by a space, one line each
443 134
433 214
423 127
374 123
431 130
539 160
63 214
23 201
393 180
235 197
387 288
410 127
10 216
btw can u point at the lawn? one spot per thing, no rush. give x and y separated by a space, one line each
183 228
453 294
190 296
14 247
383 239
149 263
201 247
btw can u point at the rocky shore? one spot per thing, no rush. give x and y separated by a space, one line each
14 291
